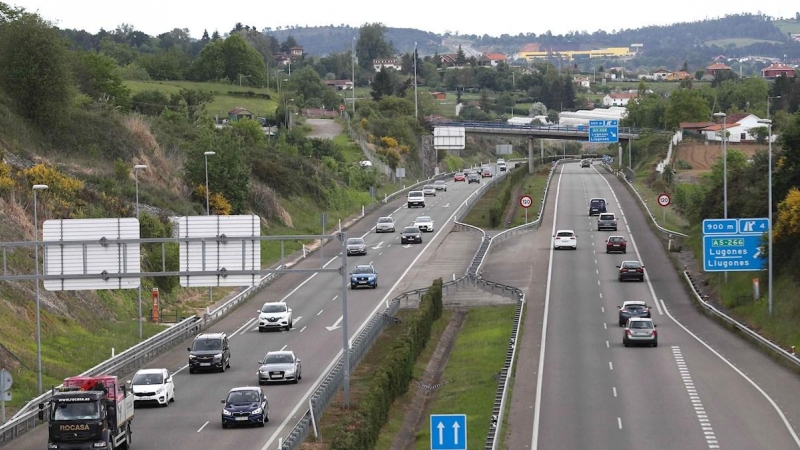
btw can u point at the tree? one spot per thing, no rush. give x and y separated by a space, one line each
685 106
787 234
484 102
96 77
9 13
287 45
382 85
372 44
36 79
308 84
787 174
461 57
242 59
685 66
646 112
230 173
537 109
210 65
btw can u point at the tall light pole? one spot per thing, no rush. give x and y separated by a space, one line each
416 107
136 170
206 155
769 212
768 99
724 163
36 188
354 75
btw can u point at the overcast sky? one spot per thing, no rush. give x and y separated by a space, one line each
506 17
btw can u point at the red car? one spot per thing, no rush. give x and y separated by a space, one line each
486 172
460 177
616 244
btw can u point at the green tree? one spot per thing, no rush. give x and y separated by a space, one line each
34 68
96 77
646 112
287 45
484 102
150 102
461 57
210 65
9 13
171 64
382 85
685 106
308 84
372 44
228 172
122 53
242 59
787 174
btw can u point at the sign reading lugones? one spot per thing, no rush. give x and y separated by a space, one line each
734 245
84 249
220 251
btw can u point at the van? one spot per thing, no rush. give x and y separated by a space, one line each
416 198
597 206
210 351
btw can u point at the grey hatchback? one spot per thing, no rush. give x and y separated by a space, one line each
639 330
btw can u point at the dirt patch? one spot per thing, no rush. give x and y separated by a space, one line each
702 155
324 128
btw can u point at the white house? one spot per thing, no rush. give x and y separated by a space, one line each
379 64
619 98
661 74
582 81
737 127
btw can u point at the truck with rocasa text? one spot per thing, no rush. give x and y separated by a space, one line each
89 413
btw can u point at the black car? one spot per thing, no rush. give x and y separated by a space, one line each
473 178
411 235
597 206
210 351
634 308
245 406
631 270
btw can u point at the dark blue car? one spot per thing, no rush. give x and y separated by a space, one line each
245 406
364 275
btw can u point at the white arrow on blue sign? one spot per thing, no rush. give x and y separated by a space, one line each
757 226
448 432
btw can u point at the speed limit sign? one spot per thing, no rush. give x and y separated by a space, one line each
664 200
525 201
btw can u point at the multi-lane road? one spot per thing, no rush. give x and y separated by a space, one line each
700 388
193 421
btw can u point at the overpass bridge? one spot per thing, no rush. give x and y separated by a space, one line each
565 132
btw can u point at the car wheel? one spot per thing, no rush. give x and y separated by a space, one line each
624 252
375 286
173 397
608 251
263 420
619 278
641 280
260 330
191 370
300 375
224 425
229 363
266 416
295 380
625 343
655 344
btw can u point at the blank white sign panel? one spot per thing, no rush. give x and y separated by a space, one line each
213 255
91 257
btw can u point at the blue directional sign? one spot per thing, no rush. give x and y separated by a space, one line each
758 226
448 432
720 226
604 131
733 253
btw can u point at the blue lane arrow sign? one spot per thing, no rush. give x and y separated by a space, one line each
448 432
755 226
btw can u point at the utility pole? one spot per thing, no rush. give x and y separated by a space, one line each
416 106
354 76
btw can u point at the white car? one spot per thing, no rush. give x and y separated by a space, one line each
424 223
565 239
275 315
440 185
429 189
154 386
416 198
385 225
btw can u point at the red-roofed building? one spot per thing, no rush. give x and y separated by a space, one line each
448 59
738 128
716 68
491 59
776 70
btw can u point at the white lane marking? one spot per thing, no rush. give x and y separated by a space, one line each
296 320
334 298
742 374
601 295
698 406
320 311
381 253
284 347
246 324
303 329
180 369
603 309
610 365
382 304
201 428
619 422
605 326
615 391
540 373
608 344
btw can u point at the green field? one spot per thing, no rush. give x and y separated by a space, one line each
788 26
222 102
739 42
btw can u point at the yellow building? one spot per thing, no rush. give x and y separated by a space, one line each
611 52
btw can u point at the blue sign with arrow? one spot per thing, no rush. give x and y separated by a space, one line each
733 253
448 432
604 131
758 226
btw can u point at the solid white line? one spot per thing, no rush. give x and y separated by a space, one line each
243 327
201 428
539 375
752 383
183 367
298 319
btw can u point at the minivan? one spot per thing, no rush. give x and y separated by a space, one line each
597 206
210 351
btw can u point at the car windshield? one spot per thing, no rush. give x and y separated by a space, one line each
415 194
147 378
355 241
243 397
273 308
565 234
459 174
423 219
428 186
207 344
641 324
76 411
385 220
411 230
278 359
363 269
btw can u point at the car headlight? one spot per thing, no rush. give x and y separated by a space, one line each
225 412
289 371
372 278
159 390
257 411
218 356
192 356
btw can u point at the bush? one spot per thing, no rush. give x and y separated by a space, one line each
501 205
249 94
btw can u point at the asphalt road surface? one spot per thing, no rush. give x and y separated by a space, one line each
702 387
193 421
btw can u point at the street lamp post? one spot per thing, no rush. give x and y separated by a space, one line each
206 155
768 122
36 188
768 99
136 170
354 75
416 107
724 164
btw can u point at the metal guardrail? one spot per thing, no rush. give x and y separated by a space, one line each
769 345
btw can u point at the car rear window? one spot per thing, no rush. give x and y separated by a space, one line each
564 234
641 324
631 265
606 217
598 202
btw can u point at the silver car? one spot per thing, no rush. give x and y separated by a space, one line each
385 225
424 223
356 246
639 330
440 185
429 189
279 367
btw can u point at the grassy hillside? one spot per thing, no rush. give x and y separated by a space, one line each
739 42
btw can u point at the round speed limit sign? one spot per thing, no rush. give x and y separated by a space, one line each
525 201
664 200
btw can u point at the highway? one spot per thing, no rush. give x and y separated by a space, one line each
193 421
702 387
